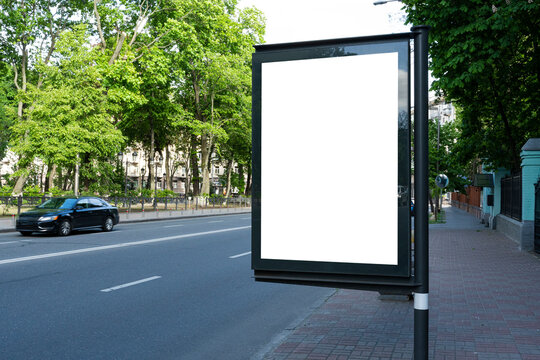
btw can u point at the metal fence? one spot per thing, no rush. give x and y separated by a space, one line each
511 196
11 205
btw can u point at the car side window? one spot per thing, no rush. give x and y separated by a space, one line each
83 203
106 204
95 203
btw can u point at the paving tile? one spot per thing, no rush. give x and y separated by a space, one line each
484 304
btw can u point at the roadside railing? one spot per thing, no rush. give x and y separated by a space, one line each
475 210
511 196
14 205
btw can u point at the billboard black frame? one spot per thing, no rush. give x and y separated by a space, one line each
346 275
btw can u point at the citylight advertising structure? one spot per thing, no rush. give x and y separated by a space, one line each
332 166
332 117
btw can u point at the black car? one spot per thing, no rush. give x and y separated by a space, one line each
62 215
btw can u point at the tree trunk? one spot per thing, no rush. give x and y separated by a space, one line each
152 166
118 48
187 182
206 152
205 161
229 173
149 167
50 178
66 184
241 176
437 210
248 185
431 202
195 161
195 166
168 177
19 185
86 179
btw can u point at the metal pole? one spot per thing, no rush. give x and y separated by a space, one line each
125 182
155 186
421 188
76 185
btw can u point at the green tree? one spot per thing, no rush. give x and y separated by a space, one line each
69 121
214 54
486 57
7 99
444 159
30 29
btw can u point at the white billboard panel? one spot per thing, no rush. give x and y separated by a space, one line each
329 159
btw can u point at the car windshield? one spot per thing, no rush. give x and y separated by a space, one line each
58 203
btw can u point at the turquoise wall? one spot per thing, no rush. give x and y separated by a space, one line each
530 174
496 190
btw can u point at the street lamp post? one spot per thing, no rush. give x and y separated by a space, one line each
125 181
120 161
134 154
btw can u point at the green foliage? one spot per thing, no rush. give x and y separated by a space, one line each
7 97
6 190
485 58
166 193
147 193
445 157
32 190
101 177
106 189
237 181
181 77
54 191
69 116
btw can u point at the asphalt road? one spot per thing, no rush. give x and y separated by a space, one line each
176 289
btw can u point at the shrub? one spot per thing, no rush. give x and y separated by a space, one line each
6 190
32 190
147 193
166 193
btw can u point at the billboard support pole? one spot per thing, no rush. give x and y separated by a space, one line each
421 188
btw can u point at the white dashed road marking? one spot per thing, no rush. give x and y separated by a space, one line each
130 284
239 255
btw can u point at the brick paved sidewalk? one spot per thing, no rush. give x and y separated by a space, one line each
484 304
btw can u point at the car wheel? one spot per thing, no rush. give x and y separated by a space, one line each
65 228
108 224
25 233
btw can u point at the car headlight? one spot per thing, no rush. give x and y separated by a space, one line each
48 218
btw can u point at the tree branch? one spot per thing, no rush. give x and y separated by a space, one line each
118 48
98 22
140 20
150 44
16 78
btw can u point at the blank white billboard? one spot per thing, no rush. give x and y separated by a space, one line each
329 159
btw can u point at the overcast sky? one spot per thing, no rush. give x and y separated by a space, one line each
301 20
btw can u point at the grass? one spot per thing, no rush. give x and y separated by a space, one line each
441 218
